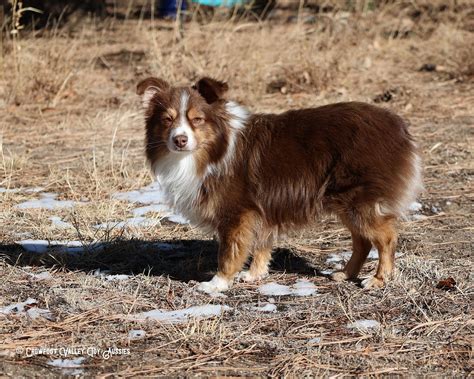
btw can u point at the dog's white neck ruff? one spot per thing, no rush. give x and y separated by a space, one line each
177 172
238 118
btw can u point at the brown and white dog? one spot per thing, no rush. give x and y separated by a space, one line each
247 177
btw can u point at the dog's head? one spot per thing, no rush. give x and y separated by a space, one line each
186 120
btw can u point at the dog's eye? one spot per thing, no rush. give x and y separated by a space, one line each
168 119
197 121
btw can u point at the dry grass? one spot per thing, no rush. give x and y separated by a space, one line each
70 122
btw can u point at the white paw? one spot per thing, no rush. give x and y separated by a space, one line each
215 285
372 282
248 277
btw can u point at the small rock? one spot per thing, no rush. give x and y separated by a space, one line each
428 67
276 85
384 97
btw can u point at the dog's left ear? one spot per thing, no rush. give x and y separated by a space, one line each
149 87
210 89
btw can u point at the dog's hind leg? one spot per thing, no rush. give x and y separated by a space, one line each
259 266
384 237
360 250
370 230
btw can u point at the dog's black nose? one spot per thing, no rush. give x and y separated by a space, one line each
180 141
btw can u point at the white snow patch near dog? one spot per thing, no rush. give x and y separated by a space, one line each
118 277
151 194
58 223
181 315
18 190
68 366
415 207
415 210
42 246
45 275
364 325
27 307
136 334
326 272
266 308
133 222
338 258
177 219
158 208
154 200
47 201
301 288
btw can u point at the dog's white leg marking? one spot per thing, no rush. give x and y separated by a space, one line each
216 284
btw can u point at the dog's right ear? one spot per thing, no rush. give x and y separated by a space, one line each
148 87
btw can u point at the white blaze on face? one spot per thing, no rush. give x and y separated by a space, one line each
183 128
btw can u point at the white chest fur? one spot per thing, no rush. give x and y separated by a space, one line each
178 178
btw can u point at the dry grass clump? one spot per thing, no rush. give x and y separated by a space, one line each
70 122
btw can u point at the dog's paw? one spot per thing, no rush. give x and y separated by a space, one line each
215 285
248 276
339 276
372 282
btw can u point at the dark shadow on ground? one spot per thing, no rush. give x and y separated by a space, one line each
182 260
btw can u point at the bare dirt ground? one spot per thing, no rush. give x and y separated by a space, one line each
71 123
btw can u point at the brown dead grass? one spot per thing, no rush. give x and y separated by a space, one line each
70 122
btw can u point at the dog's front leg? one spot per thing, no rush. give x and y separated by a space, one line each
235 240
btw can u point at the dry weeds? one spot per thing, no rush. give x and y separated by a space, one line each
70 122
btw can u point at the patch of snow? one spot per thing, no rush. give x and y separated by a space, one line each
66 363
158 208
42 246
45 275
326 272
303 288
418 217
435 209
373 254
274 289
68 366
300 288
364 325
177 219
17 190
415 206
47 201
136 334
17 307
100 272
151 194
9 190
336 258
27 307
315 340
182 315
153 198
117 277
57 222
34 313
23 235
34 189
267 308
